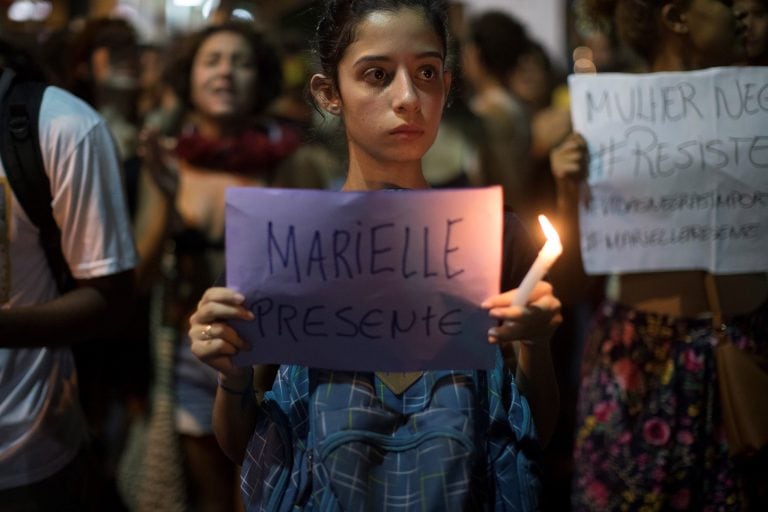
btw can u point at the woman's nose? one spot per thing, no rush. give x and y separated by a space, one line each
225 66
405 97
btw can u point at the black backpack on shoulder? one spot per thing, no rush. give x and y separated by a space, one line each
23 162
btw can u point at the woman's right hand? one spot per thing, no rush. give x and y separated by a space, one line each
214 341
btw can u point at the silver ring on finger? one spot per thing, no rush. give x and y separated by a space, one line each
206 332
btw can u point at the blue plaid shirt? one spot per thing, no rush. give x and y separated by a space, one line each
279 458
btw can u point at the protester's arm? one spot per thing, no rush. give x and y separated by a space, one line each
569 168
532 359
235 412
237 407
158 183
536 380
214 342
94 309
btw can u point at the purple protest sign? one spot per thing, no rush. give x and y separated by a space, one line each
366 281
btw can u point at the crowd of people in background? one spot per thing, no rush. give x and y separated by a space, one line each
227 105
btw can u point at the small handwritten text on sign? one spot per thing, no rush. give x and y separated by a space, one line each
678 174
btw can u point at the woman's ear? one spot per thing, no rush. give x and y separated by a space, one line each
325 94
674 18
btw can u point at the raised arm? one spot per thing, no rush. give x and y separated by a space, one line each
569 167
158 183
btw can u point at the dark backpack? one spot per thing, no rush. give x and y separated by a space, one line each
23 163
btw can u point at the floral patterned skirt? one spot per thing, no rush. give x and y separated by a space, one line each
649 434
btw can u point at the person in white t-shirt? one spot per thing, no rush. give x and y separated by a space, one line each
42 430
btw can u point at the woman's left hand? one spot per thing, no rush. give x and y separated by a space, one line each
533 324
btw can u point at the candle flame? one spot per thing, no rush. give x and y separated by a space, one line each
549 230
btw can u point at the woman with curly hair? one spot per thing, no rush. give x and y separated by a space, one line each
225 76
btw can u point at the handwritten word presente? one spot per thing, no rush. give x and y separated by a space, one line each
302 324
400 250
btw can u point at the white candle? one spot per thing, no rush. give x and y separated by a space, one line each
547 256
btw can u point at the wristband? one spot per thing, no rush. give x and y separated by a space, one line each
245 391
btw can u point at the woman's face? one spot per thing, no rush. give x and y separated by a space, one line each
754 15
392 87
223 77
716 36
530 80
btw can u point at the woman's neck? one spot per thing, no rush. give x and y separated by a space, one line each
372 175
678 54
218 129
670 60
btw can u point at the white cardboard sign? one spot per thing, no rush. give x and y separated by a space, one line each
678 173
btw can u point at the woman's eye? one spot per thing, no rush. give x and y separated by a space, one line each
428 73
244 63
243 60
375 75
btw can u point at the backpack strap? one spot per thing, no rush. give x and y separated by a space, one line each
23 163
6 77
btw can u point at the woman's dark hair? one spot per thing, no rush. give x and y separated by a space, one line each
115 34
500 40
635 21
536 51
340 18
266 61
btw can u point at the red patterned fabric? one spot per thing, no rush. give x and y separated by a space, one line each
255 151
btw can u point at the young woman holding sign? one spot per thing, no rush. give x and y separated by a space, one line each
649 431
470 440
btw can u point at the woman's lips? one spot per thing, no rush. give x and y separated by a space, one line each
407 131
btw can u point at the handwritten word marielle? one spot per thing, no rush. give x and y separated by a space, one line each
385 248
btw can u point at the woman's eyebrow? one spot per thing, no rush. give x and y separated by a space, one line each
380 58
430 54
